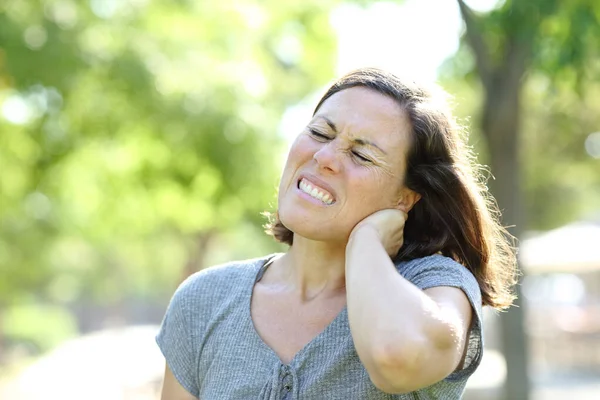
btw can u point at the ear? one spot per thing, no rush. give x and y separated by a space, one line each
407 199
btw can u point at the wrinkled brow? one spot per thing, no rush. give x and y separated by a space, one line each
359 141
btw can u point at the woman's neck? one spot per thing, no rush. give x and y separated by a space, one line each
313 269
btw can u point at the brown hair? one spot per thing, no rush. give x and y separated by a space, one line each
456 215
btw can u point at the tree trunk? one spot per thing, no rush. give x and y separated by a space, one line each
501 77
500 125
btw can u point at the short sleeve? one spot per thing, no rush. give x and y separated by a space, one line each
177 339
437 270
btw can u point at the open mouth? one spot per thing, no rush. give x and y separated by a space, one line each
316 192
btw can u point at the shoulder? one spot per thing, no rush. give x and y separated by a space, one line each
198 297
192 308
220 280
437 270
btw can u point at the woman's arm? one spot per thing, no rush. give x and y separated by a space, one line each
172 389
406 338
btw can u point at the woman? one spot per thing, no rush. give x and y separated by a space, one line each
394 249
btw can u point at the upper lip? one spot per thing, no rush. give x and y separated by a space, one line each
320 183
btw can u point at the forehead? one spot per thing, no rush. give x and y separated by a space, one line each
363 112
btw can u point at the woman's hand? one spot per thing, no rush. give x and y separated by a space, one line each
389 226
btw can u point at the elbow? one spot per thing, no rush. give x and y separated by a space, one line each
394 368
406 367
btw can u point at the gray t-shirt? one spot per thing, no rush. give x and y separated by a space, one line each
211 346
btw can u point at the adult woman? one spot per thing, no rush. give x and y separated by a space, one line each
393 252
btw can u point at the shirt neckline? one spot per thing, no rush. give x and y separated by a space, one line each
337 321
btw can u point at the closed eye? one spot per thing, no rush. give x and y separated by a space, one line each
318 134
361 157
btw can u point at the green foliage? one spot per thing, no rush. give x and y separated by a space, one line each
130 130
561 179
41 326
560 96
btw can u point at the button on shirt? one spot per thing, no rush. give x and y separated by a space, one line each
287 381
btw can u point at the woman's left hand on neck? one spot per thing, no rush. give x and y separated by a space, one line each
389 226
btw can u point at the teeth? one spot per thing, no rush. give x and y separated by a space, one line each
316 193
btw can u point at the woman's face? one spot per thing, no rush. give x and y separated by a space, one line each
351 158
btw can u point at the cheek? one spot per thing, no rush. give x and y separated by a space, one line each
304 147
375 189
300 151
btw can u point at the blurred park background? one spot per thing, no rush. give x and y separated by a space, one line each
140 140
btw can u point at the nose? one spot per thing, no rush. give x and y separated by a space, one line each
327 158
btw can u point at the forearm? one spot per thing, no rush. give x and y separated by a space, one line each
397 329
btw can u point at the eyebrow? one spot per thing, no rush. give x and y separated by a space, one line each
360 141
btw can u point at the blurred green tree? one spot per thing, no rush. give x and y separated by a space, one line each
528 58
132 133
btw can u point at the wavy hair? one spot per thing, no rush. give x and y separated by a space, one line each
456 216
